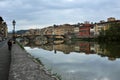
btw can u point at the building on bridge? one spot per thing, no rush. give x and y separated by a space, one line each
63 29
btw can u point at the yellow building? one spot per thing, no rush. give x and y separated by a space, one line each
3 29
63 29
100 26
104 25
111 19
48 30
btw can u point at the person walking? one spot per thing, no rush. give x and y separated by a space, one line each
9 44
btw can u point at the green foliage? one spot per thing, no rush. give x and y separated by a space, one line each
20 45
83 39
39 61
112 34
58 76
111 49
49 70
55 74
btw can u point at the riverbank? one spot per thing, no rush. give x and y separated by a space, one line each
25 67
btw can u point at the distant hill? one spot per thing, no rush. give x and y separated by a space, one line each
21 31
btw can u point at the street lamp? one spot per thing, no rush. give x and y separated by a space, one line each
13 22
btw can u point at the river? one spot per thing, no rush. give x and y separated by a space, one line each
76 60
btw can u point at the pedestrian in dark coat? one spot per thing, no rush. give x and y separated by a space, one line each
9 45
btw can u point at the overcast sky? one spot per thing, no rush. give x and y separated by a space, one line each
42 13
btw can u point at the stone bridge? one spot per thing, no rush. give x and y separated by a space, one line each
41 38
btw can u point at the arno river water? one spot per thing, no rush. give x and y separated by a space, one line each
79 60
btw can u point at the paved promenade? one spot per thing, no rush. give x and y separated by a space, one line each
23 67
4 61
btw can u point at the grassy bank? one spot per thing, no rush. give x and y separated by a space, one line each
20 45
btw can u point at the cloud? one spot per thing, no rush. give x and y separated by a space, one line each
49 12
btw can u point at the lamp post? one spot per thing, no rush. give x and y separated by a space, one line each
13 22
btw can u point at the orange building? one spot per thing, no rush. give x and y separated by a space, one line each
85 31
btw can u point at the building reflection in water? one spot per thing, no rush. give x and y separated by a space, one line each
104 50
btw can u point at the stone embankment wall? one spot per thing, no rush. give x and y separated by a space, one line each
25 67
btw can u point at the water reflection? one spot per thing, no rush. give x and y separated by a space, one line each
81 60
110 50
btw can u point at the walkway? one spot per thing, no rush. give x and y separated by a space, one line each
23 67
4 61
